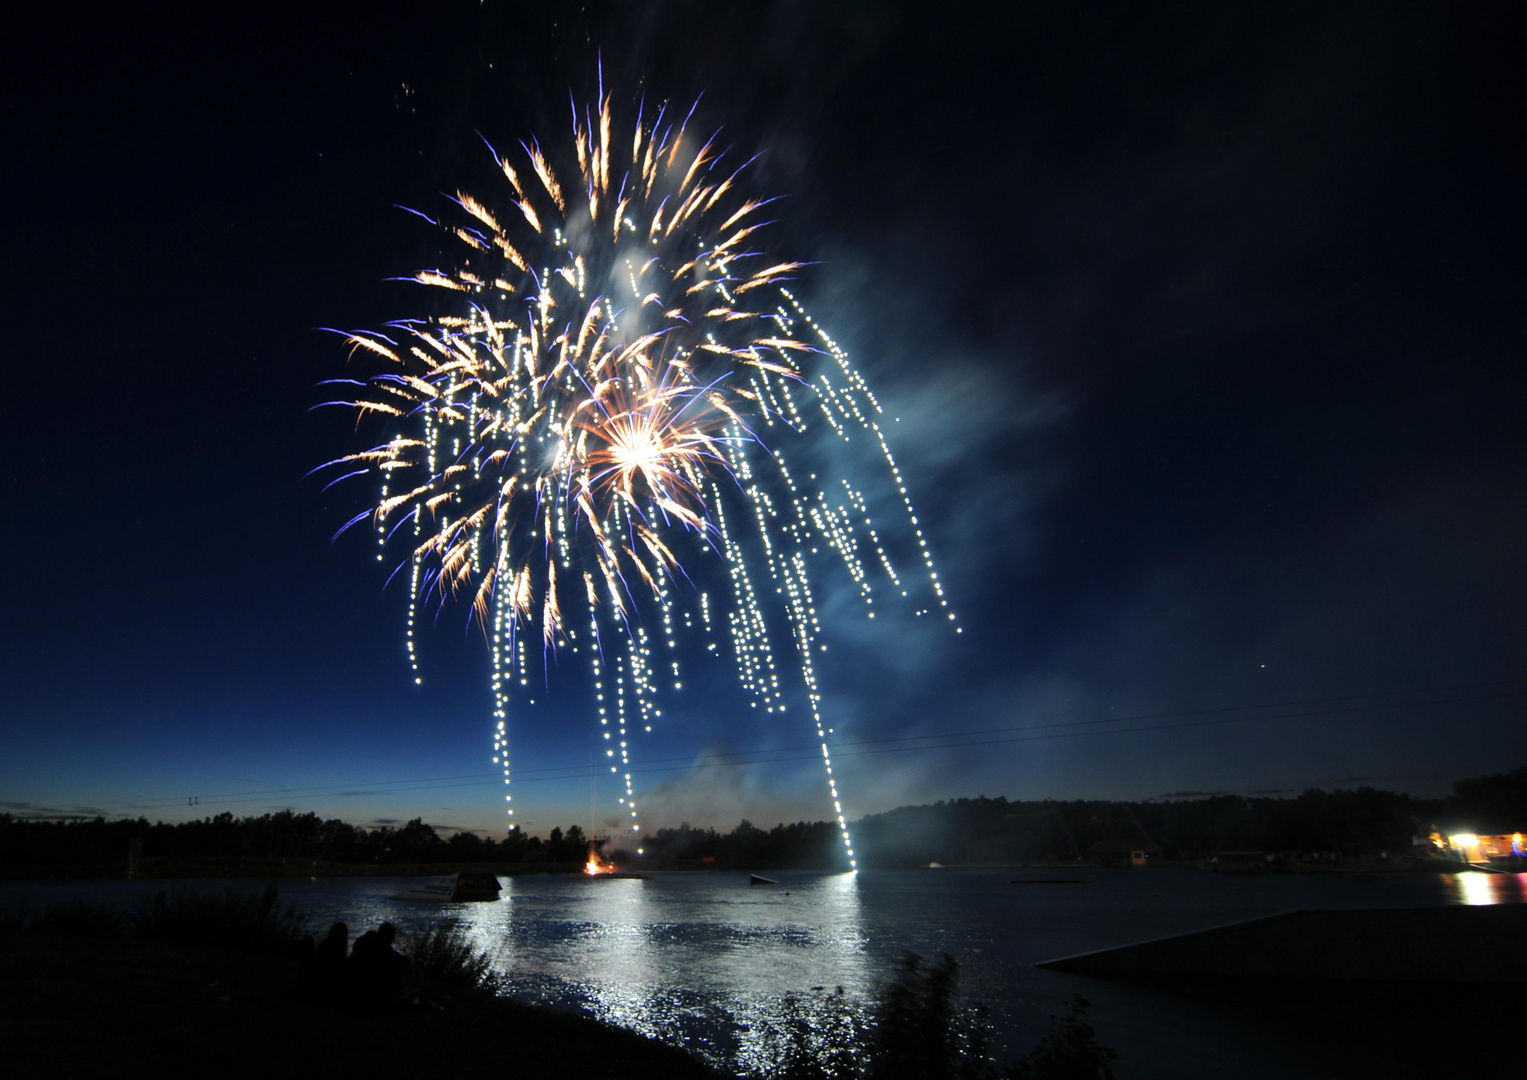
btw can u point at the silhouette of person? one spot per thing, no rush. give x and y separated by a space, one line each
375 966
307 958
330 960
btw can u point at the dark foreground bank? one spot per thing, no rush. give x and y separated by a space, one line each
186 983
99 1006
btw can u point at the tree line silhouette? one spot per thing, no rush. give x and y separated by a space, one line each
283 836
1353 823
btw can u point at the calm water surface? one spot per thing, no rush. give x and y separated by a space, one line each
707 961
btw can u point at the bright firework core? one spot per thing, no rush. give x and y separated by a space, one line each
612 388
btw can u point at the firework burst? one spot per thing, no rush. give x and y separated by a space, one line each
611 386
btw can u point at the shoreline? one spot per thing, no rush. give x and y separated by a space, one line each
297 869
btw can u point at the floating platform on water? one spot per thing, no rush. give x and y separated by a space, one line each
612 876
455 888
1484 944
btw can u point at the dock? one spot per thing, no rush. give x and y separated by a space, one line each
1483 944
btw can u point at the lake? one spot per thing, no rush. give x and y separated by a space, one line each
706 961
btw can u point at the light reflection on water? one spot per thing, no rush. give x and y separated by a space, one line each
692 960
706 961
1476 887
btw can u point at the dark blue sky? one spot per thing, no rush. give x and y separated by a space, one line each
1202 323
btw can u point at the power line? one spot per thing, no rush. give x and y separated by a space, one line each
752 756
1192 718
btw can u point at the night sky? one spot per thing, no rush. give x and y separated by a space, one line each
1203 324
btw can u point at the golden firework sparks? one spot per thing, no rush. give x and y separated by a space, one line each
595 402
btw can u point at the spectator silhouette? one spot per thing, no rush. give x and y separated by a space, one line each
330 960
307 958
376 968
